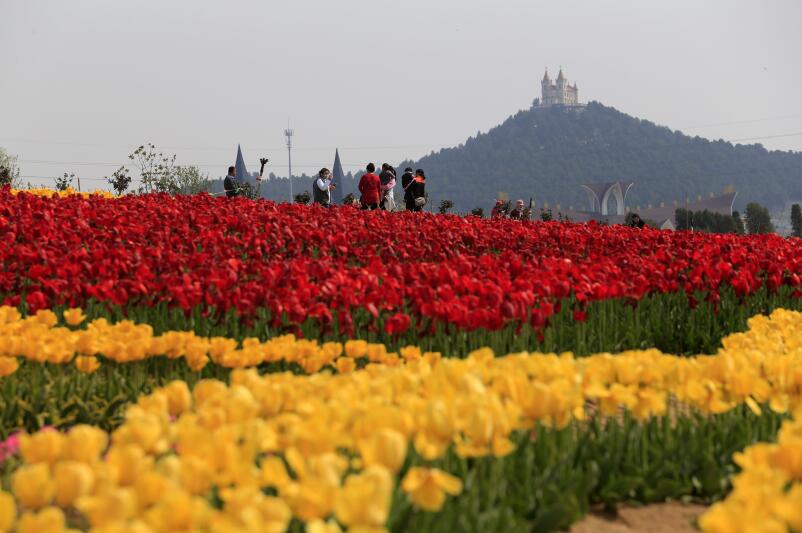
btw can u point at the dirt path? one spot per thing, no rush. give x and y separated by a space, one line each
654 518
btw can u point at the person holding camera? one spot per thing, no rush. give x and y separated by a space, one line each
322 187
370 186
232 185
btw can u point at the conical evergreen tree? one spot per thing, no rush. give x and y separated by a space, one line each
339 178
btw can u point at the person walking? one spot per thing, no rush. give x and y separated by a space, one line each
232 185
387 178
370 187
406 184
322 187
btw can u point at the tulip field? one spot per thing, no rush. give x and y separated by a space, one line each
192 363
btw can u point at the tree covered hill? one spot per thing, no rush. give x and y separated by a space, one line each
546 153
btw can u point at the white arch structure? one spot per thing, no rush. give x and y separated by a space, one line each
600 194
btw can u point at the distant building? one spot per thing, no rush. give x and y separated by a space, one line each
559 93
601 195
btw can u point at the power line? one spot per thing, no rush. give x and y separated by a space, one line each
202 165
214 148
767 137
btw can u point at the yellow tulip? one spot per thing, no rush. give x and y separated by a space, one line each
175 510
345 365
74 316
427 487
274 473
48 520
310 499
71 481
356 349
319 526
364 500
45 317
8 511
386 447
276 513
195 475
84 443
42 447
128 461
33 486
87 363
109 507
179 399
8 365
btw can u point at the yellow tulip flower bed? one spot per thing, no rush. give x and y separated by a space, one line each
49 193
767 494
407 441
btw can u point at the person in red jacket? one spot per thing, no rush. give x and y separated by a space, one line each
370 187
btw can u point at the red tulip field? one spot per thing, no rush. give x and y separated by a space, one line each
192 363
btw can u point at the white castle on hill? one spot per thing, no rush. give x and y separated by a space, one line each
559 93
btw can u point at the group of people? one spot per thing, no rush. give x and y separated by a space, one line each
519 212
376 190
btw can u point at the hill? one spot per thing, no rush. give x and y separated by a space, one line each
546 153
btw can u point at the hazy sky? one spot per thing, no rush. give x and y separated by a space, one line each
83 82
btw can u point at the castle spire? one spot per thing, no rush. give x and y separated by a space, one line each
560 76
546 75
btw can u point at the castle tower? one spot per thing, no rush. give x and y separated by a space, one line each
559 93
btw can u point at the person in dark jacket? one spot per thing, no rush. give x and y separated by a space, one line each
418 187
322 187
370 186
519 213
232 185
406 185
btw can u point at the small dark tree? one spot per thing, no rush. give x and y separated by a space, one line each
758 219
796 220
445 205
683 219
739 223
546 215
119 180
157 170
5 176
302 198
65 182
478 212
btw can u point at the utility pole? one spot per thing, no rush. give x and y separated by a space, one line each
289 133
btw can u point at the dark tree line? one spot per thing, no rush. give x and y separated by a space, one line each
707 221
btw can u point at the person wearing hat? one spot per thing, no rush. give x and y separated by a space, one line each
406 181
